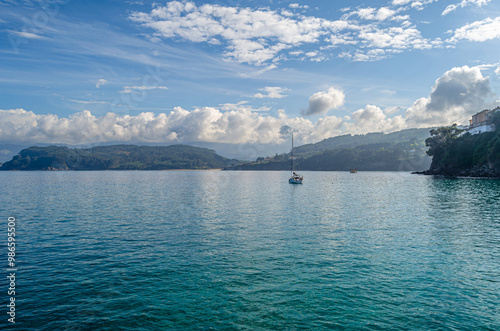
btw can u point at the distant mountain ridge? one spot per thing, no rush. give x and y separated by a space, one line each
398 151
351 141
116 157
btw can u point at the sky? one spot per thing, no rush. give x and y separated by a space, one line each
241 72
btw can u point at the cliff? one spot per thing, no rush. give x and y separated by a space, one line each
457 153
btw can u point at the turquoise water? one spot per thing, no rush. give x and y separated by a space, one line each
190 250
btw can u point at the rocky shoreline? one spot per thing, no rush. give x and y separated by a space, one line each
476 172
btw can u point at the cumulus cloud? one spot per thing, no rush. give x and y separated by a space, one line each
100 82
463 4
458 94
326 127
396 38
369 13
130 89
321 102
261 36
415 4
400 2
374 119
297 6
272 92
253 36
486 29
455 96
205 124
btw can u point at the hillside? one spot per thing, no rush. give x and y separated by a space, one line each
457 154
116 157
399 151
350 141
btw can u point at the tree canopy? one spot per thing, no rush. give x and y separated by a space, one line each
116 157
442 138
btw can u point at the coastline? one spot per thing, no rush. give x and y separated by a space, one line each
483 172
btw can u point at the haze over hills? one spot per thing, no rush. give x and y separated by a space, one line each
351 141
398 151
402 150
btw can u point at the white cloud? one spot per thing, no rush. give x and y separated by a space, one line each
205 124
130 89
369 13
455 96
415 4
242 106
373 119
321 102
297 6
27 35
326 127
100 82
392 110
458 94
394 38
463 4
401 2
497 71
272 92
253 36
259 36
371 55
90 102
484 30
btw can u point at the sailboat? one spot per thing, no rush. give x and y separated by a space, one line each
294 178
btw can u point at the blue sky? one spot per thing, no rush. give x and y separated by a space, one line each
236 72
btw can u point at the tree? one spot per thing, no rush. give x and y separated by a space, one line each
441 139
495 119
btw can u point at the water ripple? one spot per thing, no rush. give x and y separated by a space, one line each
245 250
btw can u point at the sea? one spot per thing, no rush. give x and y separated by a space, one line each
231 250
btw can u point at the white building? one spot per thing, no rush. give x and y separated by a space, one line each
481 122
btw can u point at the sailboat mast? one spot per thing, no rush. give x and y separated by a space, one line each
291 163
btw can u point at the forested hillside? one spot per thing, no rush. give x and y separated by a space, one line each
116 157
351 141
399 151
456 153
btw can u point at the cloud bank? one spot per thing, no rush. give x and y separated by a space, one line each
179 126
455 96
260 36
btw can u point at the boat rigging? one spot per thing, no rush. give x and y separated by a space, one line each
294 178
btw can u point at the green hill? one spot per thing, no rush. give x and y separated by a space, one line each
116 157
398 151
457 154
352 141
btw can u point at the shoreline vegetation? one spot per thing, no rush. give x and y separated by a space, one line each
117 157
456 153
398 151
